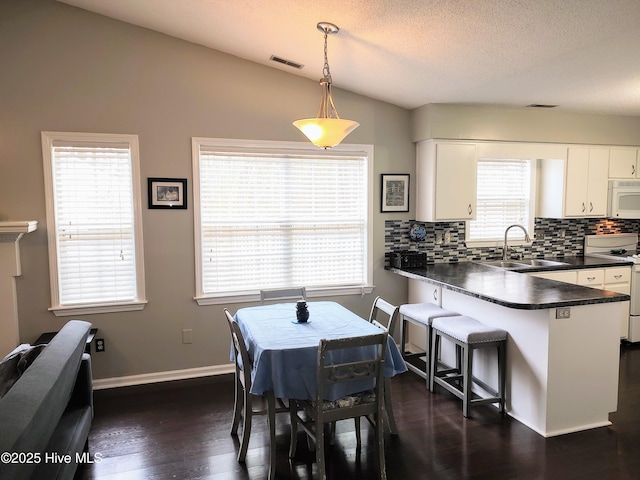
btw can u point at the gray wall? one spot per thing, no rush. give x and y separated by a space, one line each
522 125
65 69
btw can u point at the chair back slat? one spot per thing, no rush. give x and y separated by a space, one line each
243 364
384 315
333 370
297 293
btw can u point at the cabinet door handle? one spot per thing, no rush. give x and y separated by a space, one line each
469 209
590 206
617 277
435 295
633 169
591 279
584 207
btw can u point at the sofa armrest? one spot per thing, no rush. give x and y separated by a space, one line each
32 408
82 394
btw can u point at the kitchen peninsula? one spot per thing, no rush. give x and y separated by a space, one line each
562 373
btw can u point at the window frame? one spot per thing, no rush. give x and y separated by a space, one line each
284 147
533 167
48 140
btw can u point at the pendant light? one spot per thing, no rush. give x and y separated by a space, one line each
327 129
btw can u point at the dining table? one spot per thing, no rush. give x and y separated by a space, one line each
284 352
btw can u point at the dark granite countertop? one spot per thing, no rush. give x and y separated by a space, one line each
516 290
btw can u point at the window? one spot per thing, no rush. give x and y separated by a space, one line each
505 196
280 214
92 185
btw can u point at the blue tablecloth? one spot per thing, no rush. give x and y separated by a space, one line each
285 354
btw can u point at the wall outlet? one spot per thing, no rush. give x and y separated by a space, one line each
100 345
187 336
563 312
540 235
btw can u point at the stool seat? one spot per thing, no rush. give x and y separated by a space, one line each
421 315
468 335
424 312
469 330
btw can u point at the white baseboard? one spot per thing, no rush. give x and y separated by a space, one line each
156 377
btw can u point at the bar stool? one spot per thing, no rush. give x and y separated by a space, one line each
468 334
422 315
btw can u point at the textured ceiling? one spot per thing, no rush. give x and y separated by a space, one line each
579 54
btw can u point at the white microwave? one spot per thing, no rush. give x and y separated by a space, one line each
624 199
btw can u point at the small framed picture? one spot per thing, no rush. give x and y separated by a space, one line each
167 192
395 193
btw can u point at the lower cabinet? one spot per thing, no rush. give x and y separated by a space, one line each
421 292
615 279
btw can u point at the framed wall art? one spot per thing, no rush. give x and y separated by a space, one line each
395 193
167 193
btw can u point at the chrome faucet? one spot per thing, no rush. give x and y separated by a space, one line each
505 248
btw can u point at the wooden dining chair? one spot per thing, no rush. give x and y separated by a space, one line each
385 316
296 293
243 403
368 404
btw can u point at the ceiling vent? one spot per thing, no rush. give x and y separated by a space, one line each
289 63
541 105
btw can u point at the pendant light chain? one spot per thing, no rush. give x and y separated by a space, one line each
327 129
325 71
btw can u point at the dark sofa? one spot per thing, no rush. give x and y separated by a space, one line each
46 415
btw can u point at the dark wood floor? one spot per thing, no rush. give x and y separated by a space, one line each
181 431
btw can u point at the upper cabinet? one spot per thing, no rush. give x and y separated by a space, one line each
623 162
446 181
577 186
587 172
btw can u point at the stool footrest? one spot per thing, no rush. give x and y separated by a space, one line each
416 362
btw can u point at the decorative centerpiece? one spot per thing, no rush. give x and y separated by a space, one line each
302 312
418 232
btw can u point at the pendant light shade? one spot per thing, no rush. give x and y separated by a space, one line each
327 129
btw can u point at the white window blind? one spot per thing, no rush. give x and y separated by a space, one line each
92 224
274 219
504 197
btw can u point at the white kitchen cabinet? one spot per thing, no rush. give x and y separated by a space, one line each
618 280
446 181
586 183
615 279
623 162
575 186
421 292
591 277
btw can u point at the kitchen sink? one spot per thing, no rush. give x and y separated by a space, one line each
538 262
521 264
506 264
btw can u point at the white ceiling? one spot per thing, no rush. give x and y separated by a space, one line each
579 54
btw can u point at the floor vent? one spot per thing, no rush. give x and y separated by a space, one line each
286 62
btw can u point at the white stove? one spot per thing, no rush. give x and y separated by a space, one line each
616 246
621 246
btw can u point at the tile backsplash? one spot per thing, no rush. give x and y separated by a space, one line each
552 237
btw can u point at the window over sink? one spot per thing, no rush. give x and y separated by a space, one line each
505 196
